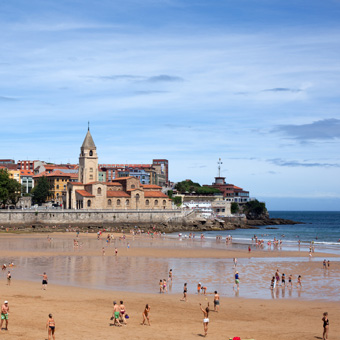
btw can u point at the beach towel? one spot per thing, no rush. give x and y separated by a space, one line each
236 338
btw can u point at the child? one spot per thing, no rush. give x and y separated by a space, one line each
205 319
325 326
290 280
299 282
272 283
161 286
199 287
185 290
164 286
283 279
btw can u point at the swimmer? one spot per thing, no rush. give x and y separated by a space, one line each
50 326
272 283
283 279
205 318
170 275
290 280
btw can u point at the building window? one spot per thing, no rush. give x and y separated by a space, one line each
118 202
164 202
147 202
127 202
99 191
91 153
109 202
89 203
58 186
91 176
156 202
91 169
132 186
137 196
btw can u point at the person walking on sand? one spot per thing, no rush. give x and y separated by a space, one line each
146 315
325 326
205 318
185 291
161 286
237 281
235 262
216 302
4 315
50 326
116 314
44 280
170 275
290 280
9 276
116 252
122 312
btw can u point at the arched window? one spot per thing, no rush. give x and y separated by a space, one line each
89 203
127 202
164 202
147 202
99 191
156 202
137 196
91 153
118 202
109 202
58 186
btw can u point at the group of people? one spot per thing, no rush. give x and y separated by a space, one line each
280 280
119 315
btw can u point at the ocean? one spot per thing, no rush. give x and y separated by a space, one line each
320 227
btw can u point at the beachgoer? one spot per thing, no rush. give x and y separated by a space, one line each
216 302
290 280
328 264
277 277
272 283
325 326
324 264
170 275
235 262
4 267
4 315
204 290
116 314
50 326
164 286
161 286
44 280
283 279
299 281
237 281
185 290
9 276
199 285
116 252
122 312
146 315
103 251
249 249
205 318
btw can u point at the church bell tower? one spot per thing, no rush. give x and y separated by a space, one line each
88 161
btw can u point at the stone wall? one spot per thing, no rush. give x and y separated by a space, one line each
89 217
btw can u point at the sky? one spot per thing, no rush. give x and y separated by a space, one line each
253 82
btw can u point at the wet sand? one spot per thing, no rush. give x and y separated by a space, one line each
82 312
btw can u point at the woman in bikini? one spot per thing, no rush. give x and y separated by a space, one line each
146 315
205 318
122 312
325 326
50 325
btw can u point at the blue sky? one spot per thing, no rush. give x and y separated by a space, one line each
253 82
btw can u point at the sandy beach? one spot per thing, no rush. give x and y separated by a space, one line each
84 313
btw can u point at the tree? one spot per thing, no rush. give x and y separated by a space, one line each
41 191
234 208
9 188
189 186
177 200
255 209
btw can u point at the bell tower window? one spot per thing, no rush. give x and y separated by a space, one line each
91 153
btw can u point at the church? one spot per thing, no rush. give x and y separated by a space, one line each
122 193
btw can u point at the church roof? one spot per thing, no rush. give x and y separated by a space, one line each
154 194
84 193
88 141
117 194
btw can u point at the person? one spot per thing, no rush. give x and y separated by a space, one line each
324 264
199 285
216 302
170 275
116 252
185 290
122 312
235 262
283 279
325 326
116 314
328 264
277 277
9 276
103 251
204 289
4 315
50 326
272 283
237 281
164 286
205 318
249 249
146 315
4 267
290 280
161 286
44 280
299 282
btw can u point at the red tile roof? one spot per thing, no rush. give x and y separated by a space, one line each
84 193
113 184
155 194
151 186
26 173
76 183
117 194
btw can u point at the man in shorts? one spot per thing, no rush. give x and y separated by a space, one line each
116 314
216 301
4 315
